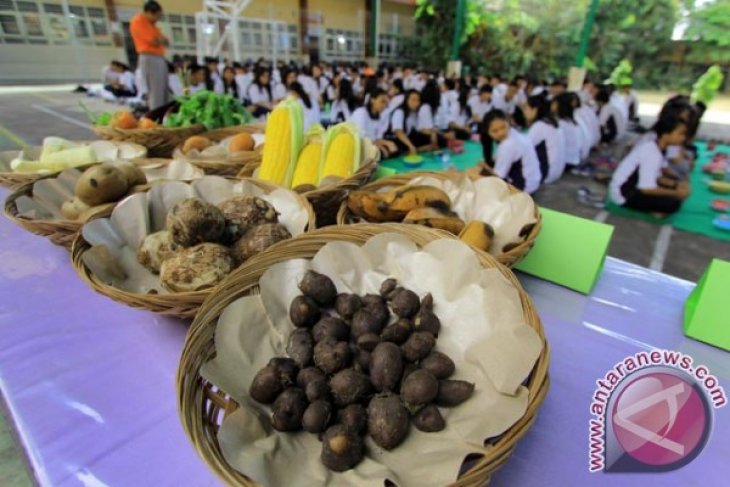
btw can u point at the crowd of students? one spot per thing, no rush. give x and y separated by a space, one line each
531 131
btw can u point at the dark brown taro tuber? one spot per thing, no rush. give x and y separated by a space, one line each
386 366
405 303
317 389
332 356
331 327
387 288
429 419
288 410
287 369
300 347
307 375
318 287
388 421
361 360
304 312
398 332
453 392
365 322
439 364
419 388
317 416
418 345
349 386
377 307
342 448
368 341
353 417
427 302
266 385
426 320
347 304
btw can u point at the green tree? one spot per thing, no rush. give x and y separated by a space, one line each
709 33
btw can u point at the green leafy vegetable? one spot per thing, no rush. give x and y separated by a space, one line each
706 87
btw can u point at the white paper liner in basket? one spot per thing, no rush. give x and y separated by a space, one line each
488 200
104 150
140 214
219 150
49 194
483 330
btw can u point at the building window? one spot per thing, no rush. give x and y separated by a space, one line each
9 24
33 25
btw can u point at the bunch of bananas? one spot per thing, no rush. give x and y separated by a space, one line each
422 205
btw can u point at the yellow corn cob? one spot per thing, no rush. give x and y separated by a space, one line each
339 156
307 171
283 142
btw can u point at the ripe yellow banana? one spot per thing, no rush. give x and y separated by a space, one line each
431 217
478 234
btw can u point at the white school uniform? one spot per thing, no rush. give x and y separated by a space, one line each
479 107
640 169
175 85
199 87
500 102
585 137
394 103
618 101
218 86
426 119
311 114
127 80
279 92
259 94
572 139
340 111
108 76
243 81
548 138
589 116
516 162
310 85
609 112
398 121
368 126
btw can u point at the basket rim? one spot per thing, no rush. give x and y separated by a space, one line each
509 258
142 132
180 304
194 393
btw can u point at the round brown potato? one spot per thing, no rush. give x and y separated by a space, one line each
331 327
342 448
103 183
193 221
420 387
318 287
317 416
454 392
155 249
388 421
73 208
405 303
300 347
347 304
429 419
353 417
332 356
134 175
266 385
288 410
303 312
439 364
196 268
349 386
386 366
418 345
244 212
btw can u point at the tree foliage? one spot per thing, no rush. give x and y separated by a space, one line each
542 36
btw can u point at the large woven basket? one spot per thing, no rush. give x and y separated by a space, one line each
15 180
326 200
63 232
509 258
203 407
160 141
232 164
182 304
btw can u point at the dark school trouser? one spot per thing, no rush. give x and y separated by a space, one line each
155 74
653 203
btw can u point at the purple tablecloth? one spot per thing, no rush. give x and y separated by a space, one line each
89 383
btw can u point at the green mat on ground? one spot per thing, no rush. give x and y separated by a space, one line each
695 216
469 158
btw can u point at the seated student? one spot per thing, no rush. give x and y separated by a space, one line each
280 90
110 74
259 93
310 106
244 78
546 137
430 113
459 114
174 83
368 120
199 79
120 81
557 88
397 94
611 121
586 136
637 182
345 102
617 100
304 77
507 101
322 82
403 126
480 105
516 160
631 101
562 108
215 76
586 114
230 87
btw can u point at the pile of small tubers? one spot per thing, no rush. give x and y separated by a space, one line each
353 369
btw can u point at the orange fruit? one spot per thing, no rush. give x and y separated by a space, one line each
123 120
147 123
196 142
241 142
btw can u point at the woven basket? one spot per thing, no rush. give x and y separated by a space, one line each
14 180
160 141
63 232
232 164
202 407
509 258
183 304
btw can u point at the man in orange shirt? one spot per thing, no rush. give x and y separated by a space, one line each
150 45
